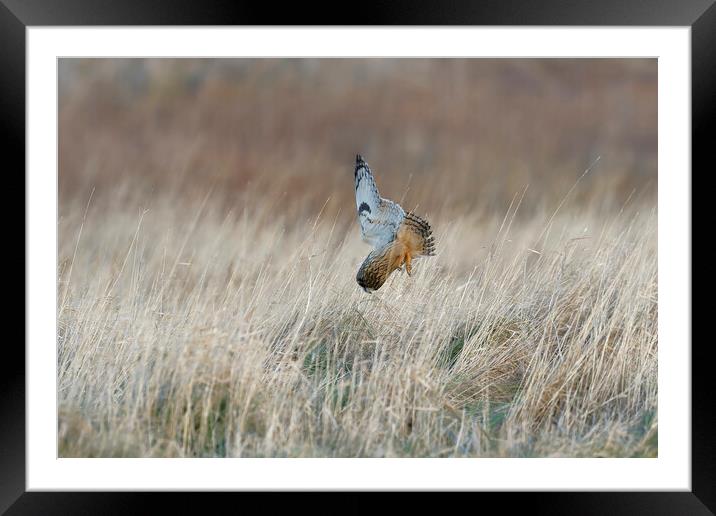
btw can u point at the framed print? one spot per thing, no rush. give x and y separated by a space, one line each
449 254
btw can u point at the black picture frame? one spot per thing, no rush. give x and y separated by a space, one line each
17 15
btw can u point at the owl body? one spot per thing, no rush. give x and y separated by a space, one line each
397 238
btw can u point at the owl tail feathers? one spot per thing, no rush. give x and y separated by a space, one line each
424 242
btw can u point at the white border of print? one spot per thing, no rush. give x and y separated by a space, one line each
671 470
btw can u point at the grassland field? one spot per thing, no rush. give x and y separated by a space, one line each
208 245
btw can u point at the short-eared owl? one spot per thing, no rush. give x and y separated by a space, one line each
397 237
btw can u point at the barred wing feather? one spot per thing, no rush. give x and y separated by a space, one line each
379 218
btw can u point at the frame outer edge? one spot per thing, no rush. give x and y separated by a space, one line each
703 126
12 135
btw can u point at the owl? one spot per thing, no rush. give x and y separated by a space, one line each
397 237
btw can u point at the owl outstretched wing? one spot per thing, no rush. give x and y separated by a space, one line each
379 218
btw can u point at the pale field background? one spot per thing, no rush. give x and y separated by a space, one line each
208 246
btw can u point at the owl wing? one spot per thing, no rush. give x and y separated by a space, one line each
379 218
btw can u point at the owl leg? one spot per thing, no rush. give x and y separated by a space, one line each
400 261
407 263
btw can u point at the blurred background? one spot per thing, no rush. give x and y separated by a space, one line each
441 134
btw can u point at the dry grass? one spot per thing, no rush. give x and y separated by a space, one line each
206 333
207 303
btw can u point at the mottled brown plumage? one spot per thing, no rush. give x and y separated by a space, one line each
397 237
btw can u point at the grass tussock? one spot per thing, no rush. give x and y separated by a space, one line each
205 332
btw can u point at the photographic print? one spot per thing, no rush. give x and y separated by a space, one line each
357 257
